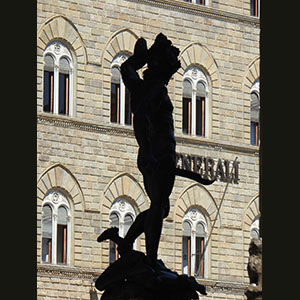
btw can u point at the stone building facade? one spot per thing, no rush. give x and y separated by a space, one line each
87 177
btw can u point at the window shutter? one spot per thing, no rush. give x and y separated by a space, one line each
200 89
187 89
48 63
62 216
115 75
64 66
47 222
114 220
186 229
254 107
200 230
128 220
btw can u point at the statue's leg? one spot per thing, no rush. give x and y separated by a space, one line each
136 229
161 187
110 234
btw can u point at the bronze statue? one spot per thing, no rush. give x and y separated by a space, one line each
154 131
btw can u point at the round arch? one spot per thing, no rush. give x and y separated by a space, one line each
196 54
252 73
122 41
196 195
59 177
61 28
123 186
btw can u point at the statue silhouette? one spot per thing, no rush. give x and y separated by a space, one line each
154 131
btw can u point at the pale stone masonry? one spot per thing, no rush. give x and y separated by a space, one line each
93 161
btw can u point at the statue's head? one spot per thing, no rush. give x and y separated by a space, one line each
162 59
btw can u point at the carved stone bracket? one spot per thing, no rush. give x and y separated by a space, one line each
254 289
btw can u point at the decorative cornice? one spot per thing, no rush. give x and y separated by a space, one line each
66 271
49 270
217 146
126 131
202 10
68 122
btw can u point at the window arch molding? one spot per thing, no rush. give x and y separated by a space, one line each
57 176
59 27
122 41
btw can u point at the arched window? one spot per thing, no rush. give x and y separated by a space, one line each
58 79
194 102
255 107
194 234
120 110
122 215
56 229
254 229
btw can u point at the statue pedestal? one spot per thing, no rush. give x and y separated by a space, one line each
132 278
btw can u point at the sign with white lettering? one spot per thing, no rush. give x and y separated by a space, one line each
208 168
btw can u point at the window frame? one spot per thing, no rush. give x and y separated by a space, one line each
195 2
194 216
123 94
255 8
194 75
255 123
56 199
254 227
57 51
121 207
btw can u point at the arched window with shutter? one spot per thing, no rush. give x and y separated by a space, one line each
186 248
194 102
120 110
62 227
194 234
113 252
254 229
64 86
58 79
48 83
56 228
255 108
47 233
121 216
